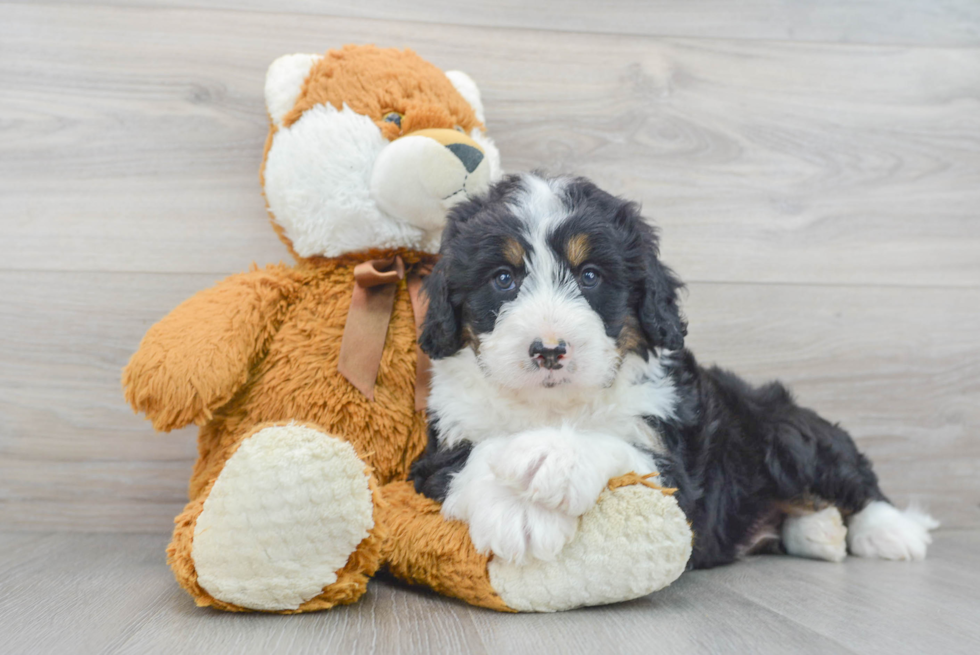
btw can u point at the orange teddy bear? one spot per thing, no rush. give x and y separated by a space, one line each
309 387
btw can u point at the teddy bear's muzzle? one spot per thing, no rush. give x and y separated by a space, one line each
419 176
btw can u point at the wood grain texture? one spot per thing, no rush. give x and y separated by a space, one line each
72 453
820 198
78 593
898 367
852 602
816 173
921 22
132 138
116 596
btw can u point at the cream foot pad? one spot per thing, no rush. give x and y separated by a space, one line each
288 509
635 541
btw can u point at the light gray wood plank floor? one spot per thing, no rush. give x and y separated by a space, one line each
111 593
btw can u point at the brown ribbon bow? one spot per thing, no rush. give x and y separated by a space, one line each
375 285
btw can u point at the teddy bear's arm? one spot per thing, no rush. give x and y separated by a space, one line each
195 359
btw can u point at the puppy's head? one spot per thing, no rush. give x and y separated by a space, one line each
551 282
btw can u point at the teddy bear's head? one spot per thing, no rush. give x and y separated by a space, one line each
368 148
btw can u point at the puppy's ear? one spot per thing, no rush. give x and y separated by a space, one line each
660 314
657 308
442 329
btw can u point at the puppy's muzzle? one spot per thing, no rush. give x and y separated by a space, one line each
548 357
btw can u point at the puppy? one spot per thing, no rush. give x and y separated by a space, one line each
559 363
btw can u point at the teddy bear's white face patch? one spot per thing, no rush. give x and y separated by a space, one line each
318 185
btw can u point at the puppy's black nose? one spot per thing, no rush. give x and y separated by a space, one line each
550 358
470 156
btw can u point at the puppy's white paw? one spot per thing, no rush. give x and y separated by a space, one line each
548 531
820 535
522 496
512 529
545 467
500 530
881 530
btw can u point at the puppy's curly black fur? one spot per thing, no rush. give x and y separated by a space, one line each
739 455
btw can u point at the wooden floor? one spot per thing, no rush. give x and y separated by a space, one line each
814 167
100 593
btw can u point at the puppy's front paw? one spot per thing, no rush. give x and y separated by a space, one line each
523 532
548 531
500 529
508 526
545 468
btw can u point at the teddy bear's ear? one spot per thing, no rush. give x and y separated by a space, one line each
283 82
468 89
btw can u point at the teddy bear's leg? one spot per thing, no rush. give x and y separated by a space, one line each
635 541
288 525
424 548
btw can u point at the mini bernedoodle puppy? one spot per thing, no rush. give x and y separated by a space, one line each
559 363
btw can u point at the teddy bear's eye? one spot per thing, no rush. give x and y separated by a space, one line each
393 117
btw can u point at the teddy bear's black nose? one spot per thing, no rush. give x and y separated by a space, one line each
470 156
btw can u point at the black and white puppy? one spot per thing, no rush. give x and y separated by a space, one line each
559 362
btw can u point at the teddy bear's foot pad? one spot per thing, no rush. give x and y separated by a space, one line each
635 541
288 509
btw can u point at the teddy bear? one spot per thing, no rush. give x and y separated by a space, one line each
308 385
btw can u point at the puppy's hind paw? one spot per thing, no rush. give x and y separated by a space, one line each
881 530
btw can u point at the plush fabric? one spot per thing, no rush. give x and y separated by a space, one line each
284 83
373 81
262 347
337 176
424 548
638 530
299 493
349 585
323 509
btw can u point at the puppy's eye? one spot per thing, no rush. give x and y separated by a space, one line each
503 280
393 117
589 278
459 128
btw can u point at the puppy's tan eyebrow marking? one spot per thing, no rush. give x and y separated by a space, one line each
577 250
514 252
